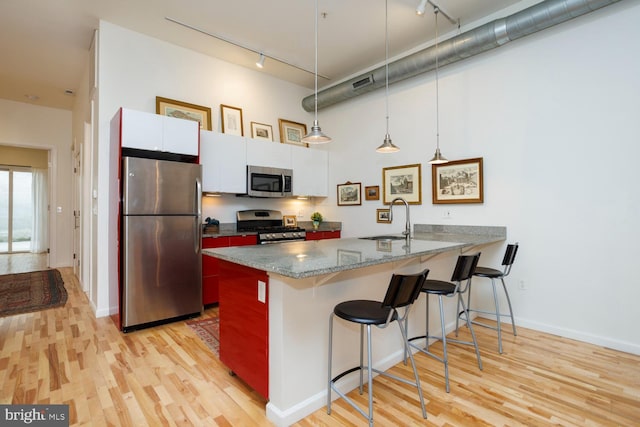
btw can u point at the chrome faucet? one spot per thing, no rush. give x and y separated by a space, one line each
407 227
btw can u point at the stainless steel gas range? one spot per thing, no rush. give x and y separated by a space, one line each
268 226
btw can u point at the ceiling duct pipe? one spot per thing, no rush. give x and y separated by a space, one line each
486 37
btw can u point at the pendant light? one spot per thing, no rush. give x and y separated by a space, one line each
438 158
316 136
387 146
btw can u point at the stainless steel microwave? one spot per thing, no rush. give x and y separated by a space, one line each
269 182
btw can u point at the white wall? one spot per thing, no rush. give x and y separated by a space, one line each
28 125
555 118
133 70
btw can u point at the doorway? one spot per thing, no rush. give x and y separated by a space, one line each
24 208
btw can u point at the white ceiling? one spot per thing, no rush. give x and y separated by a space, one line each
44 43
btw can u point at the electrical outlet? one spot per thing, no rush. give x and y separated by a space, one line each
522 285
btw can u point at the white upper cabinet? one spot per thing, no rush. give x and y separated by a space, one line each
310 171
153 132
268 153
224 162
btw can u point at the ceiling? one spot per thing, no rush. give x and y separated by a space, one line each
44 44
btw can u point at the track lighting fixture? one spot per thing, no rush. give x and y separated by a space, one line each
421 7
260 62
316 136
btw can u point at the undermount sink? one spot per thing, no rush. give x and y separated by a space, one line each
387 237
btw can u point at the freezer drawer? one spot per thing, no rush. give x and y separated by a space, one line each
162 268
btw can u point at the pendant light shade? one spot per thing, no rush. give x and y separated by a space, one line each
315 136
387 146
438 158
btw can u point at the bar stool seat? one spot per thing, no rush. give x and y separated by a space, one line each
403 290
460 279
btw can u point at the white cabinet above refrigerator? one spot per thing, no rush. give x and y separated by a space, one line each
153 132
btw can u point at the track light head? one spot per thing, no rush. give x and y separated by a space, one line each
421 7
260 61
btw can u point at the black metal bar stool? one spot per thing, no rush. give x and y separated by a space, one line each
403 290
460 279
493 274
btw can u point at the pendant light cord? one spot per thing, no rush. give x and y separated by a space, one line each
316 64
386 59
436 10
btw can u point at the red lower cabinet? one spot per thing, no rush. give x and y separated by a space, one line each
320 235
210 266
244 324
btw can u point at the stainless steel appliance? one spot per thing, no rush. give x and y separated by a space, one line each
161 262
269 182
268 225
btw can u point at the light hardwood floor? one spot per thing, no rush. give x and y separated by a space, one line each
167 376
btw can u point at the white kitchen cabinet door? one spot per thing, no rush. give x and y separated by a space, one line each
153 132
141 130
268 153
310 172
224 162
180 136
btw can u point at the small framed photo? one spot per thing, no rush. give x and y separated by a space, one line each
349 194
292 132
372 192
459 181
184 110
382 215
402 181
289 221
231 120
261 131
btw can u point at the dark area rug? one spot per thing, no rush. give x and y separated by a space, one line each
29 292
209 331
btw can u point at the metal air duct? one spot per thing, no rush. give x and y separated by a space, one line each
486 37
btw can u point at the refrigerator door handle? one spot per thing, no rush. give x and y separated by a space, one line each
198 218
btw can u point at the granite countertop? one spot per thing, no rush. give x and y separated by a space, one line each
314 258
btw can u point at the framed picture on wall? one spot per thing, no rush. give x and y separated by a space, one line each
458 181
184 110
382 215
349 194
402 181
231 120
261 131
292 132
372 192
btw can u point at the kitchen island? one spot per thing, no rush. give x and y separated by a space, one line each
297 284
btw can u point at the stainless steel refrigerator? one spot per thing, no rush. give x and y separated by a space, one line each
160 246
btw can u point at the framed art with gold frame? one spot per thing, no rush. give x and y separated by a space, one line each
458 181
372 192
184 110
292 132
402 181
261 131
289 221
382 215
231 120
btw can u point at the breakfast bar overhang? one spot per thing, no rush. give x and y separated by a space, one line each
307 279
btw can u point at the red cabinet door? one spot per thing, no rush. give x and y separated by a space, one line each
243 240
320 235
211 269
244 324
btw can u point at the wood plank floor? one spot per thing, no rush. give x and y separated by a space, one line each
167 376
